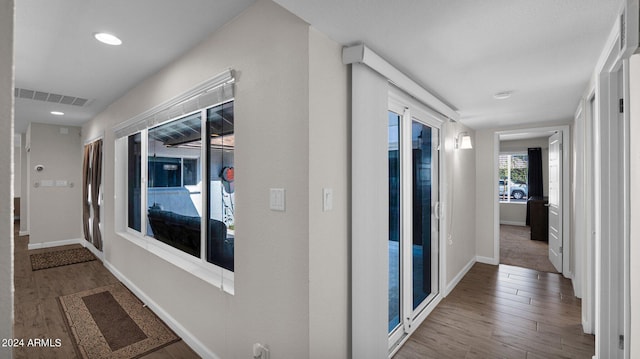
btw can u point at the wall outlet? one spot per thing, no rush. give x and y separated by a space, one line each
277 199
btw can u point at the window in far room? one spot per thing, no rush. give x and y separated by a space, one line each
513 176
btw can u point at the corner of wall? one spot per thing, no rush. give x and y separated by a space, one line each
7 12
328 229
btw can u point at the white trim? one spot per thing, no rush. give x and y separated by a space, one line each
419 319
487 260
513 223
181 331
64 242
589 295
209 273
362 54
626 196
23 233
454 282
578 154
496 200
93 249
610 204
166 110
630 9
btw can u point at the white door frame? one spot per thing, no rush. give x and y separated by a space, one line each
409 109
612 218
586 169
566 139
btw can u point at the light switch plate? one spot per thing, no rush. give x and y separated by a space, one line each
327 199
277 199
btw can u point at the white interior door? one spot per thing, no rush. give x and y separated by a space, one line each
555 200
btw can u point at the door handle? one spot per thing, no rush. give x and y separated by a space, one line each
546 204
436 210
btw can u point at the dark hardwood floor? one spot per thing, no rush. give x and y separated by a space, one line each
504 312
494 312
37 314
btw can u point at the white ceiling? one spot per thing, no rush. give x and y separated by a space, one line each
463 51
55 50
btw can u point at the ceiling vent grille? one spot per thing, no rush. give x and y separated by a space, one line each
50 97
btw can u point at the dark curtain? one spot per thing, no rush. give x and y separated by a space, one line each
535 185
86 180
96 182
91 183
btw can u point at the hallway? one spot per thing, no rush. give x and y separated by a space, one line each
37 311
507 312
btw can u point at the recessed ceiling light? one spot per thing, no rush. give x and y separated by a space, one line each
107 38
502 95
57 113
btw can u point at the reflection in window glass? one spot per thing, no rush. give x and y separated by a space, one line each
172 208
424 258
134 162
221 200
190 171
165 172
394 220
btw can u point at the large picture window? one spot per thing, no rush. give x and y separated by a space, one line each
175 172
170 200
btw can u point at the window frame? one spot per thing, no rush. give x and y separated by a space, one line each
198 266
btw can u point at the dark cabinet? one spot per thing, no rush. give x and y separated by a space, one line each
539 220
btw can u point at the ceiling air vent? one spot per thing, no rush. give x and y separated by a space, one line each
50 97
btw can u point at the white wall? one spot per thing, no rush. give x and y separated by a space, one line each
461 197
516 213
370 200
634 254
6 176
486 199
282 102
329 143
55 212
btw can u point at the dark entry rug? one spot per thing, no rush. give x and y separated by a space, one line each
60 258
110 322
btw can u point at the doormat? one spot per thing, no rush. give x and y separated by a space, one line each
60 258
110 322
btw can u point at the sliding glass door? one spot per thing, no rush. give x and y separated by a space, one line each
413 153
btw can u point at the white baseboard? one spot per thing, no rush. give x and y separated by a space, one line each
514 223
487 260
23 233
454 282
93 249
182 332
64 242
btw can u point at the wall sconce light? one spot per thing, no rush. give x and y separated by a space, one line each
463 141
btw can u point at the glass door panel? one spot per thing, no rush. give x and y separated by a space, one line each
394 222
421 183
